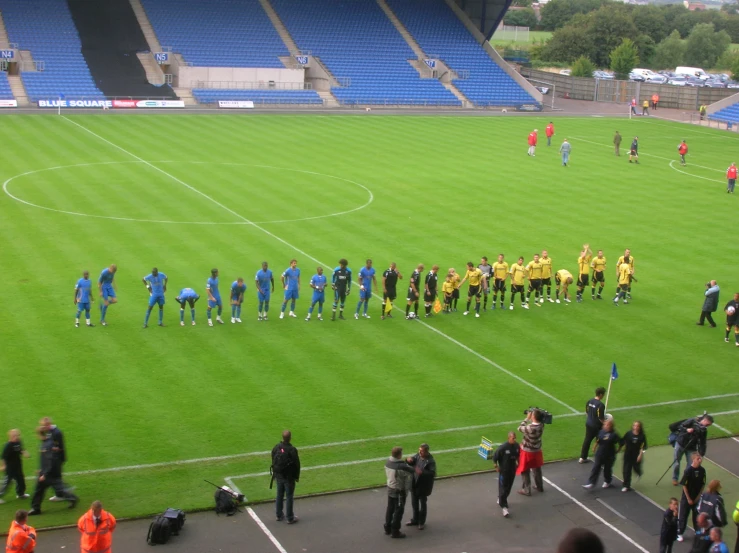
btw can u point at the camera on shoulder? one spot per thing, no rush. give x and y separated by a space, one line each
545 416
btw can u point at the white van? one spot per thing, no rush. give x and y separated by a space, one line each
646 73
691 72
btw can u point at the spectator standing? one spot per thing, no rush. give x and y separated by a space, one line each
595 411
286 470
702 111
731 178
532 142
712 504
691 437
21 537
693 481
506 461
549 131
606 447
12 464
668 533
710 303
633 106
645 107
617 143
635 444
424 468
655 101
532 458
399 481
717 545
96 527
565 150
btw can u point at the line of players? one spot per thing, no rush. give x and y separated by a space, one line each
484 280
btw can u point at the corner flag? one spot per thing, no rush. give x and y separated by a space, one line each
614 372
614 376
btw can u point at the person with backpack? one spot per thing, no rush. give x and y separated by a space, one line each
286 470
712 504
690 437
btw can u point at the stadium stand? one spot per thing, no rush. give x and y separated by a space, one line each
45 27
727 115
440 33
360 46
5 92
217 33
293 97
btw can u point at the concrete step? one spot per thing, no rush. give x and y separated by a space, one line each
402 30
27 63
154 73
4 40
280 27
146 27
185 94
329 100
19 90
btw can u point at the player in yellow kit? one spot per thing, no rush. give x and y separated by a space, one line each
448 287
546 275
626 258
599 274
534 269
500 275
583 264
624 281
456 280
563 278
518 276
477 281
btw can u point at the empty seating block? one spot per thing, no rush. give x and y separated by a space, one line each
439 32
293 97
5 92
359 45
45 27
217 33
727 115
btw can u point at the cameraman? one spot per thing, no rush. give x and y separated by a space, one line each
595 410
691 437
532 458
710 303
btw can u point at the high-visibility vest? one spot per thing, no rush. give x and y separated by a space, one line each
96 538
735 516
19 539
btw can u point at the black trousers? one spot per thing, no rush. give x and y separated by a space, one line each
418 504
60 490
682 514
601 462
20 482
590 434
665 547
630 465
394 511
505 484
707 315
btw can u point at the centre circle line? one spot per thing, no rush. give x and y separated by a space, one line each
691 175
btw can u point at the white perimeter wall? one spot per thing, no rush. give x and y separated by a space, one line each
188 75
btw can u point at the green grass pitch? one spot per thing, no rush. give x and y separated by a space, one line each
176 192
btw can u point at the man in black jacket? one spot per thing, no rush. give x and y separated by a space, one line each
693 482
50 475
506 462
286 470
424 465
691 437
595 411
710 303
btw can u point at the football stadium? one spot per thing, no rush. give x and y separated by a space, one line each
157 153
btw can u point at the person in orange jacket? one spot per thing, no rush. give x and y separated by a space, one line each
550 133
731 177
532 142
655 100
21 537
96 527
682 149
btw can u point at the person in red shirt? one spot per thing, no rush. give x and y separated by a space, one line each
550 133
532 142
731 176
682 149
633 106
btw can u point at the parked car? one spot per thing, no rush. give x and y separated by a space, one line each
677 81
636 77
602 75
711 83
732 84
668 74
566 72
657 79
695 81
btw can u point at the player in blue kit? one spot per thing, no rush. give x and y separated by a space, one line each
265 286
291 283
318 283
237 298
187 295
156 283
106 289
214 296
83 298
366 280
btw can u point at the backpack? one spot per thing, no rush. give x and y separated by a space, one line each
282 463
675 431
176 519
225 503
159 531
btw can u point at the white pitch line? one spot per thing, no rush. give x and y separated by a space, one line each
301 252
596 516
692 175
607 506
266 531
673 402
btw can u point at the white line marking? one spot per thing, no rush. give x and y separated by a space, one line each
729 432
722 467
301 252
264 528
607 506
596 516
130 219
692 175
673 402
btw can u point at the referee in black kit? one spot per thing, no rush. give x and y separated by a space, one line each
596 413
506 461
389 282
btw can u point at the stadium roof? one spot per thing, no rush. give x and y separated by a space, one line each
485 14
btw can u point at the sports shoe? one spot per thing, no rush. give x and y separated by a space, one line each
466 313
550 300
624 489
282 315
293 521
54 499
477 315
146 326
24 496
493 307
341 316
511 307
91 325
238 320
219 320
160 324
182 323
73 503
587 486
307 318
319 317
598 297
592 297
265 318
382 317
233 320
193 323
568 300
103 323
33 512
537 304
726 339
679 536
606 485
582 461
626 301
259 317
210 322
356 316
615 302
737 344
525 305
555 301
505 512
77 325
366 316
292 314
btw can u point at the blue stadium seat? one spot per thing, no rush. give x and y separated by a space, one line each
293 97
5 92
441 34
45 27
727 115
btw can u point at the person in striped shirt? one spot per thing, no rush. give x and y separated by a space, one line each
532 458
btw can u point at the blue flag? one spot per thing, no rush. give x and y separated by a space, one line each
614 372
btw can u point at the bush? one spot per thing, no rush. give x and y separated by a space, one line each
582 67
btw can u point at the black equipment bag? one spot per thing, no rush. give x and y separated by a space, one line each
225 503
176 519
159 531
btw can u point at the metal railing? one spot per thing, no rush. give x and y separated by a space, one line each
344 81
250 85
